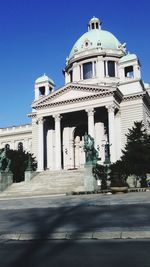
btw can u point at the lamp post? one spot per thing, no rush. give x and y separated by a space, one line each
107 160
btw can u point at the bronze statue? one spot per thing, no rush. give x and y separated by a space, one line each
4 160
91 154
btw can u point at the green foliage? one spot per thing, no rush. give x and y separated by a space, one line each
100 173
19 162
136 156
118 174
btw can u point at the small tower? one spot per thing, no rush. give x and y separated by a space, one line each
43 86
94 23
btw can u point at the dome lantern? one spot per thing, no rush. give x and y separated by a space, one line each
94 23
43 86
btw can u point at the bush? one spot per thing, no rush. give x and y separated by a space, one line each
19 162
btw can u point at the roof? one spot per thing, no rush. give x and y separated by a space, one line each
128 57
94 39
44 78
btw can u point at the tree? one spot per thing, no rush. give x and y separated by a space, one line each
136 155
100 173
19 162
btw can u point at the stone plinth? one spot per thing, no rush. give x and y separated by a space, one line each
6 179
29 175
90 183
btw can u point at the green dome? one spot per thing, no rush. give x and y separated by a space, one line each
94 39
43 79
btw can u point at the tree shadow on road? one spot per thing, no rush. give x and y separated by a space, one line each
80 219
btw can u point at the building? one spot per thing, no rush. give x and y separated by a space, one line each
103 95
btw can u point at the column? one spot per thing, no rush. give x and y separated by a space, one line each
40 145
111 126
57 142
90 113
47 91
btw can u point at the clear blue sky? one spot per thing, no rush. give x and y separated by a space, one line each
36 36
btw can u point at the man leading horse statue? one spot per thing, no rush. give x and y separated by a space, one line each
91 154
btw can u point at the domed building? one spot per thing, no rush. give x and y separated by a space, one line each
103 95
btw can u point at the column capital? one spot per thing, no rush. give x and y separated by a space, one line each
40 120
57 117
110 108
90 111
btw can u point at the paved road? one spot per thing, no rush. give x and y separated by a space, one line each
71 201
45 216
75 253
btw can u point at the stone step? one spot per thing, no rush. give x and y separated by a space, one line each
47 183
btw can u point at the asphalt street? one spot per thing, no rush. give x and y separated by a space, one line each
75 219
129 212
75 253
89 230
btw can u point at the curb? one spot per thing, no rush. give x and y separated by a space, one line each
76 236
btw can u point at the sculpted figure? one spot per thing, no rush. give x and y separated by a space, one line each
4 160
91 154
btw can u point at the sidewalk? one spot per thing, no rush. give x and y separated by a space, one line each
123 216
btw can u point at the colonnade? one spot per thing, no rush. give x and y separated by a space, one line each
91 123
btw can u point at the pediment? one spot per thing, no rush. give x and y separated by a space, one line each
69 93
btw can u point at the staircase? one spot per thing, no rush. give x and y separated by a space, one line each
47 183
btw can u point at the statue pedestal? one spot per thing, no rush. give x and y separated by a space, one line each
90 183
29 175
6 179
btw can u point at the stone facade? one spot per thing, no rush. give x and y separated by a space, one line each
103 95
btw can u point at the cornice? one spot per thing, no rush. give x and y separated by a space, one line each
32 115
129 80
75 100
133 96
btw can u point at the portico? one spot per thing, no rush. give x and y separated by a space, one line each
60 135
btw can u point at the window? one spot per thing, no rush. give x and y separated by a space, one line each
94 68
42 90
129 72
111 68
71 76
87 71
105 65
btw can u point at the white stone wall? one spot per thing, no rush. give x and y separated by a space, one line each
16 134
131 111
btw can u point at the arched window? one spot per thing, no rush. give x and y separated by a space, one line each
20 146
